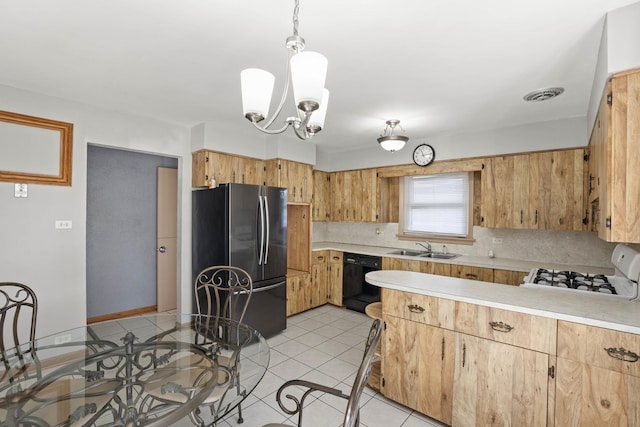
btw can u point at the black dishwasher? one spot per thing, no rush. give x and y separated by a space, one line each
356 293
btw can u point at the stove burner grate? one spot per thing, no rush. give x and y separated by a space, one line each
573 280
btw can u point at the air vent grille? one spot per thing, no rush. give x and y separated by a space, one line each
543 94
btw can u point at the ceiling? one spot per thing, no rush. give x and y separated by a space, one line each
439 66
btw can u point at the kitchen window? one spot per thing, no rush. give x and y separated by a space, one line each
437 207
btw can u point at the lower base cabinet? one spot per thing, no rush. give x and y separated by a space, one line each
418 367
498 384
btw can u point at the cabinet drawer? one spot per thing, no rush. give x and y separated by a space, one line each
335 256
509 327
604 348
320 257
418 308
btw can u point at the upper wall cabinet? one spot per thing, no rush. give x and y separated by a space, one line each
355 195
295 176
615 175
544 190
225 168
321 196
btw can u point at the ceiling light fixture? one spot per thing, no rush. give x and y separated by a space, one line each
308 71
392 142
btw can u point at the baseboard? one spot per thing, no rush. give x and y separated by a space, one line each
122 314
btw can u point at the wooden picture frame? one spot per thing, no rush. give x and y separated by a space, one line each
55 131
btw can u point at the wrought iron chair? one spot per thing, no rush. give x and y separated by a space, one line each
352 412
221 292
18 315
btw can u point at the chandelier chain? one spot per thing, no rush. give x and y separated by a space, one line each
295 17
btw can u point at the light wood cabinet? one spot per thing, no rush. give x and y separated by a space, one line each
295 176
355 195
498 384
321 196
417 353
335 267
225 168
467 365
615 208
543 190
417 367
298 291
472 273
598 377
326 271
508 277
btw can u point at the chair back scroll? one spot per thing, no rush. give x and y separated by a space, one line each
222 292
18 314
351 416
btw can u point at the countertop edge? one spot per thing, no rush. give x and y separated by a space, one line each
621 315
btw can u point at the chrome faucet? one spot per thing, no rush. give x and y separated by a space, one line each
426 245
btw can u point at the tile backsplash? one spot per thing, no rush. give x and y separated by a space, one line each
564 247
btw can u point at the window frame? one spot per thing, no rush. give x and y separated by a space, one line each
434 237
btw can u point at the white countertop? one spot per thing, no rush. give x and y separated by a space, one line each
475 261
611 313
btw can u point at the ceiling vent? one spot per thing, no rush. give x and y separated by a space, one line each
543 94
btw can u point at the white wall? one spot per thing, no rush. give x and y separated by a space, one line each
53 261
549 135
619 51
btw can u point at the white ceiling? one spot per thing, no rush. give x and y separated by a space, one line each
439 66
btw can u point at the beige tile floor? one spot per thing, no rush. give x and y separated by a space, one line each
323 345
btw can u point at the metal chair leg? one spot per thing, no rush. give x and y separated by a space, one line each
240 419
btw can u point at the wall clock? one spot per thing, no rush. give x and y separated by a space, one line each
423 155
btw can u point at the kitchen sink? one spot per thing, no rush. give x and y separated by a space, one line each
424 254
439 255
407 252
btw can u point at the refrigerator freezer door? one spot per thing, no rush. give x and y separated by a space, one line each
245 230
276 250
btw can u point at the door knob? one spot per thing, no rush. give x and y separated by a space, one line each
162 249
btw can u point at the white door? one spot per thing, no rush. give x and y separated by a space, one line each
167 259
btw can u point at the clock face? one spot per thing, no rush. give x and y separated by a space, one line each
423 155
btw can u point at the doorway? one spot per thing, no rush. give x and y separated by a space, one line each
121 231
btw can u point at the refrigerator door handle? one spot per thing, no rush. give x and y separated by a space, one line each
260 256
268 223
267 288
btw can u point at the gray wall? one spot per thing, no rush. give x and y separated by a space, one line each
121 229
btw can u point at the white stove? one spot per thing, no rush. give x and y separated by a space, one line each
623 284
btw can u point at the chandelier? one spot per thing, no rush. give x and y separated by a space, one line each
307 72
392 142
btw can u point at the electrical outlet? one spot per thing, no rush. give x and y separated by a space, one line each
61 339
64 224
496 240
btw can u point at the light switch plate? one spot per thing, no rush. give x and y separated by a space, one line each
21 190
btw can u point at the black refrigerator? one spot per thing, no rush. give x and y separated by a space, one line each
245 226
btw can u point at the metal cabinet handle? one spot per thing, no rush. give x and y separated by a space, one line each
501 326
414 308
336 258
464 354
471 276
442 353
622 354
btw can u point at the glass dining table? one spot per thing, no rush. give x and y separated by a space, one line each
137 371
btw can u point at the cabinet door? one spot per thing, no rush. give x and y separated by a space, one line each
591 396
472 273
418 367
200 173
497 192
321 196
508 277
319 286
498 384
368 192
335 278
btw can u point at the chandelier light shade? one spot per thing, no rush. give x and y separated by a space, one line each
306 72
392 142
257 87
